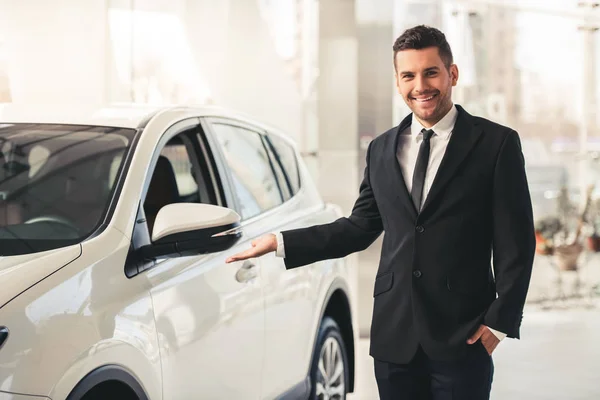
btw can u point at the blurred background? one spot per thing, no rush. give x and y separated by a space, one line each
322 71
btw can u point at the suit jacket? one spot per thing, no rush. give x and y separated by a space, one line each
436 280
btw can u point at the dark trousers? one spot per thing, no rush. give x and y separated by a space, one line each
468 378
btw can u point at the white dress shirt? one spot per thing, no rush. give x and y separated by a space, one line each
406 153
410 141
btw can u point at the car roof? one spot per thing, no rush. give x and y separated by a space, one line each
118 116
133 116
112 116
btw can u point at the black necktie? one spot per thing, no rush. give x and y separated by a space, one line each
420 169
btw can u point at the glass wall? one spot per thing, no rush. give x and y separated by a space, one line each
530 65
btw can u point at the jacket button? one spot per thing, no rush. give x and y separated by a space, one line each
417 274
420 229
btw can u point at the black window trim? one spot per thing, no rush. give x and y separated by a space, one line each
288 181
273 133
263 140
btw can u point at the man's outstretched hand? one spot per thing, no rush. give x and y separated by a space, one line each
261 246
488 339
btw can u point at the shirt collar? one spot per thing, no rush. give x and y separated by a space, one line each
443 128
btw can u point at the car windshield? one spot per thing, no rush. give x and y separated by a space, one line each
56 183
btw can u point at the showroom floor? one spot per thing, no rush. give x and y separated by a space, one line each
558 356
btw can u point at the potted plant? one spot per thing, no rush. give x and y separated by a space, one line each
592 227
545 231
560 235
569 249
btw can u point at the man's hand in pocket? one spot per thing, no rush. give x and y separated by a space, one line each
488 339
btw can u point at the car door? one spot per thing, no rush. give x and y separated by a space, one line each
292 301
264 189
209 314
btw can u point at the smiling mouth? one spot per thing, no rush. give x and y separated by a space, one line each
424 99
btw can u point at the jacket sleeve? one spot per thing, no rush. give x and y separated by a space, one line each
339 238
513 238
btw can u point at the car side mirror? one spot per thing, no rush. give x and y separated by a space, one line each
185 229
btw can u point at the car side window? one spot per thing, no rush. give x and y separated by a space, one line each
286 156
251 169
174 178
180 159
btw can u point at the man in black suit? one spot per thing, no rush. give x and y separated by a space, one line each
449 189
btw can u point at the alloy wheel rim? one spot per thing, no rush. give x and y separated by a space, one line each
331 383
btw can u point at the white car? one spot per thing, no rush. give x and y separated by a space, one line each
114 230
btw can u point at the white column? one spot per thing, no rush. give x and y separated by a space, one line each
338 103
308 140
588 90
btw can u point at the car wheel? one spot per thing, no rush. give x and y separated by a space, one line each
329 374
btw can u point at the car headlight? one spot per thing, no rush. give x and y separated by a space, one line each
3 335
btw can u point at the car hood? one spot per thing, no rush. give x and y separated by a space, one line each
18 273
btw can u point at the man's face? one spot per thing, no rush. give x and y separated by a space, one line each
425 83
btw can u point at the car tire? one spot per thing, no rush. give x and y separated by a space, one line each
327 381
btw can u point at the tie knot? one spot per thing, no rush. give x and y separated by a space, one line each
427 133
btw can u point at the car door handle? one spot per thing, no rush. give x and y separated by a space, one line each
247 272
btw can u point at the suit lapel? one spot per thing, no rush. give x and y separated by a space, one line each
465 134
391 155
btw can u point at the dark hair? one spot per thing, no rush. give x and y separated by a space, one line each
421 37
